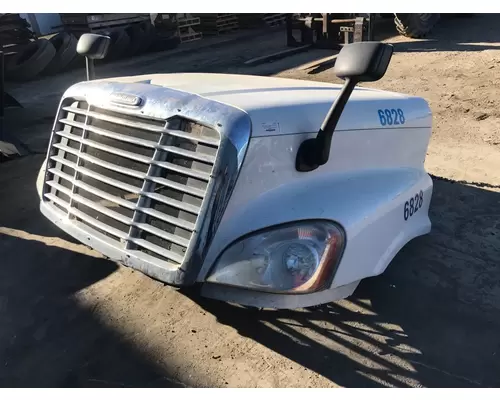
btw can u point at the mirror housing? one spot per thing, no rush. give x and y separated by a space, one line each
363 61
93 46
356 62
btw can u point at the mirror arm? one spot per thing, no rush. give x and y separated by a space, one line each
90 69
325 133
316 151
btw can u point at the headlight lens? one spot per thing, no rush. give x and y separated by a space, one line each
294 258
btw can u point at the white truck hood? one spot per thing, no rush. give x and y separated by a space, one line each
289 106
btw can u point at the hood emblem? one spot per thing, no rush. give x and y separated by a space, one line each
125 99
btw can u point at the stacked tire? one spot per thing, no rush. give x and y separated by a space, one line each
25 62
65 46
43 57
415 26
141 37
130 41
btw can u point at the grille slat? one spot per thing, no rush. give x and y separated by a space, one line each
190 154
182 170
61 188
57 200
106 133
104 147
125 203
148 228
167 218
137 157
143 126
95 160
132 178
157 249
183 188
99 177
127 171
87 218
103 210
61 174
164 235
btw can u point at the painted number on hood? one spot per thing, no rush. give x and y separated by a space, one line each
391 116
413 205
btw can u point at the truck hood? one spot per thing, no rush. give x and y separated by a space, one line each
290 106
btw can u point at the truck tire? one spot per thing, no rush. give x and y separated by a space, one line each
30 60
65 45
415 25
136 34
148 37
118 46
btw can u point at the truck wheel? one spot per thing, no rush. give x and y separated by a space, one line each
65 45
415 25
30 60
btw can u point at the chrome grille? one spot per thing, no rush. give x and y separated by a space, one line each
139 181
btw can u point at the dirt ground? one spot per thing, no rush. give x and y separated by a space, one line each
71 318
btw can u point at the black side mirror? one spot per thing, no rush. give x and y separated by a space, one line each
363 61
93 47
356 62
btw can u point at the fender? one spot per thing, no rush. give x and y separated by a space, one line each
368 204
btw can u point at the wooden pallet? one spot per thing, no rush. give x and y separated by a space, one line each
80 30
164 23
260 20
274 19
83 23
187 27
214 19
221 31
191 38
215 24
188 34
106 19
190 21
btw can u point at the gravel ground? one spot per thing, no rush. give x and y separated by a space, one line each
70 318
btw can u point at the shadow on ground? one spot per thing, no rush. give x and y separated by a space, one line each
475 33
430 320
47 339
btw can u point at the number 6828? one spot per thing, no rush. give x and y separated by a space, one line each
391 117
413 205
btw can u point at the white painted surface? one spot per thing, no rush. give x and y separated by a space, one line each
372 171
293 105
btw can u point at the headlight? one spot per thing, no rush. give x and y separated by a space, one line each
293 258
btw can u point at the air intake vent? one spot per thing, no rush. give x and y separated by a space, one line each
139 181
